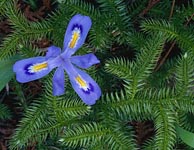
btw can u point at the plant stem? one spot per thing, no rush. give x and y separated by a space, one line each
172 9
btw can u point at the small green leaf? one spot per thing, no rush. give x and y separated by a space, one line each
6 71
186 136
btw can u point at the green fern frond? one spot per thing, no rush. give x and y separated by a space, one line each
4 112
82 7
118 141
167 28
14 41
165 76
35 117
183 14
136 7
118 17
3 5
187 11
186 121
161 9
24 31
185 75
58 21
148 57
47 116
121 134
181 35
154 94
115 140
121 105
38 30
149 144
66 108
137 40
9 46
27 50
20 23
19 39
15 16
165 128
185 104
119 67
145 63
99 37
134 73
83 135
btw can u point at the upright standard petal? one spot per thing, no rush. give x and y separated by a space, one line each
85 61
53 51
31 69
58 82
76 33
87 89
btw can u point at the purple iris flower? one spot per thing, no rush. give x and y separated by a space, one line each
34 68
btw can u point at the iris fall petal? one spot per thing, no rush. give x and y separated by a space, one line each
87 89
31 69
76 33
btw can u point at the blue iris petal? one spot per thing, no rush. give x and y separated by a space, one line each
85 61
58 82
87 89
76 33
26 71
53 51
34 68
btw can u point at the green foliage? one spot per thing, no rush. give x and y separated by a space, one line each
47 116
133 89
83 135
4 112
24 31
3 5
186 136
181 35
6 71
185 73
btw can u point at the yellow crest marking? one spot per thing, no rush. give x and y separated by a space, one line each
39 67
74 39
81 82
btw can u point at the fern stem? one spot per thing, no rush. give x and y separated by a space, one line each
151 3
189 19
56 125
164 58
172 9
82 136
